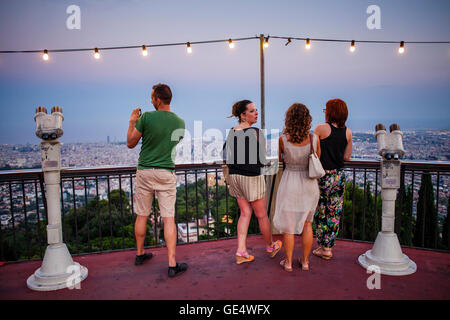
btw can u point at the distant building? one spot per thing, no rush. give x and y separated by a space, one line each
193 236
212 179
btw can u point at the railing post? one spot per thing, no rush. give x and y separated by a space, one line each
261 63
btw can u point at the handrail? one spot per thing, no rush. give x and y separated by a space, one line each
11 175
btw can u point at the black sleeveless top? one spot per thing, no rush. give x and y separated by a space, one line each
332 148
244 151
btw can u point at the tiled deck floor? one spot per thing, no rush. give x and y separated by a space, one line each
213 274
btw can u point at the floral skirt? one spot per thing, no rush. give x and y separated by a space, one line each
329 209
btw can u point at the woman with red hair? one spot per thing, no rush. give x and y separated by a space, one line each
336 147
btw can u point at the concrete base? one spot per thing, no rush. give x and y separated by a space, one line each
58 271
387 255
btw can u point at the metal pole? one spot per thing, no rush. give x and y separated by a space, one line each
263 107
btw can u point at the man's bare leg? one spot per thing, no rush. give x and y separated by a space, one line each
140 230
170 236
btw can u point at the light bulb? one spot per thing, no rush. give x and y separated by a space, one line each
45 55
189 49
96 54
230 44
266 42
402 47
144 51
352 46
308 44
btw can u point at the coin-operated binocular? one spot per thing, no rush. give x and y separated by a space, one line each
386 253
49 126
58 270
390 145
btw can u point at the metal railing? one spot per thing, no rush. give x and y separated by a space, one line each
98 208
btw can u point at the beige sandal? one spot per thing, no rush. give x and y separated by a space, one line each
304 266
283 264
317 253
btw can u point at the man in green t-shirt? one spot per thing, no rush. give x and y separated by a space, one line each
161 130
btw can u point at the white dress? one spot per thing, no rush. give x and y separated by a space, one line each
297 195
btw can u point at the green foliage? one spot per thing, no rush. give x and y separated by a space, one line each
426 224
446 228
362 218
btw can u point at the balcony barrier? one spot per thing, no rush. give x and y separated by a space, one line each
97 217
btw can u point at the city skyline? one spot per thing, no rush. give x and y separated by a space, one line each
97 96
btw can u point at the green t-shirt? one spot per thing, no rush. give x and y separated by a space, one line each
161 132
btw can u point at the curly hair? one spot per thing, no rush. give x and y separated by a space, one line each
297 122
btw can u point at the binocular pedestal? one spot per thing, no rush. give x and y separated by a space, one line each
386 253
58 270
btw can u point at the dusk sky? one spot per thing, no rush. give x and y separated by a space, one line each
97 96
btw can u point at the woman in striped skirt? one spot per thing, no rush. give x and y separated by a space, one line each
245 156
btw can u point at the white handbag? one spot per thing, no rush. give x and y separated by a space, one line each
315 168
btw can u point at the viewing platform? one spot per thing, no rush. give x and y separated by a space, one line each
214 275
98 229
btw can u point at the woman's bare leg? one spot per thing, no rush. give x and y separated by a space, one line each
307 241
259 206
243 223
288 241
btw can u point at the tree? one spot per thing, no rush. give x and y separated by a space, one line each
404 209
446 228
359 215
425 233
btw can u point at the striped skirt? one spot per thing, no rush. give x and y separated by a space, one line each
249 188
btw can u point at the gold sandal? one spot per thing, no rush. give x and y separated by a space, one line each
321 255
242 257
276 246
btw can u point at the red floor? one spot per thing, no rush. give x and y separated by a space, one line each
213 274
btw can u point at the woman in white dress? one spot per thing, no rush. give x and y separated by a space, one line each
297 195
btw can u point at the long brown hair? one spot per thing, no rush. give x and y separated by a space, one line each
297 122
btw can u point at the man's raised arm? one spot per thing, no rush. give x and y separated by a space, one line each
133 135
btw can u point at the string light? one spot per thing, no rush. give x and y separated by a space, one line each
308 44
352 46
144 51
402 47
96 54
45 55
